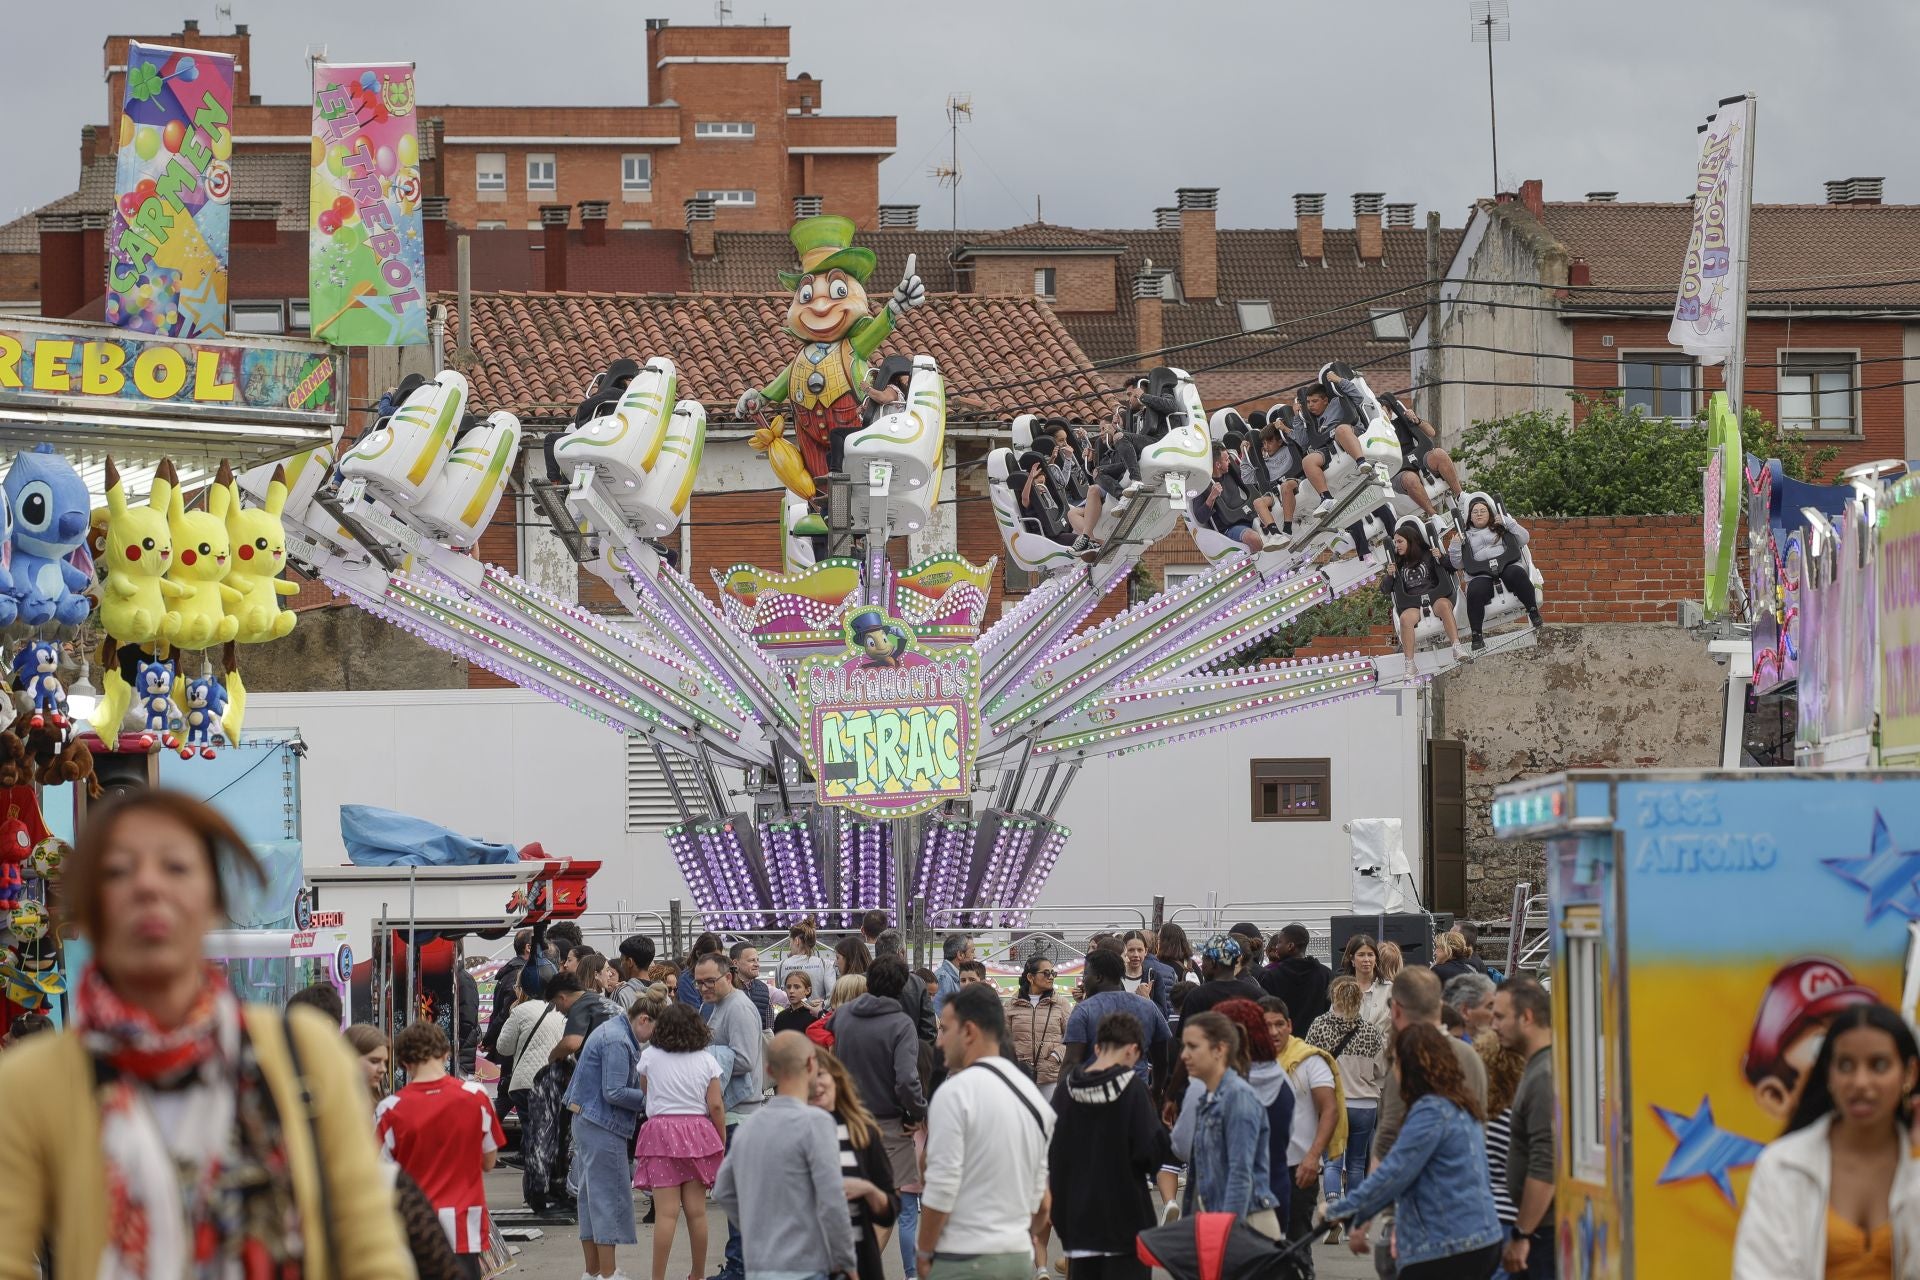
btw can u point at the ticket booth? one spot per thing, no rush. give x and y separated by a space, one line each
1706 929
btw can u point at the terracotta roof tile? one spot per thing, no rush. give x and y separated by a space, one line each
1643 246
281 176
1043 236
537 350
750 261
22 235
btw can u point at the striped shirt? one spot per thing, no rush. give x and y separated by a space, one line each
850 1168
440 1131
1499 1132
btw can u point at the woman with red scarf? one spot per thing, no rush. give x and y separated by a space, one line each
171 1134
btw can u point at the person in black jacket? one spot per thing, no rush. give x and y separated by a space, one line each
1296 977
1225 507
1040 510
1107 1144
1418 577
505 983
1116 467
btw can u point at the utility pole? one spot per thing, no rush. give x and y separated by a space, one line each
1490 27
1431 371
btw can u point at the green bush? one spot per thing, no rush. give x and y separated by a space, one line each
1353 614
1616 462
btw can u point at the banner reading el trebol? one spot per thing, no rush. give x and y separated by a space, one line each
366 258
167 250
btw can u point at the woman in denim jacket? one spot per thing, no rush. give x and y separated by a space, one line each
1445 1227
1228 1170
607 1106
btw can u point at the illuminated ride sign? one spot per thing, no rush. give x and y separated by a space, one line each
891 731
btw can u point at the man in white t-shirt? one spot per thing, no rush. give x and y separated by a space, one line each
1311 1073
987 1132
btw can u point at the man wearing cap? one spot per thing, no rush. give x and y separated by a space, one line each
1801 1002
1223 961
830 317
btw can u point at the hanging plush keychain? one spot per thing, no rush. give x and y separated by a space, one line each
201 703
136 598
201 564
259 557
36 673
49 569
153 695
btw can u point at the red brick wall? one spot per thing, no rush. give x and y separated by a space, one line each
1617 568
1080 282
19 277
1882 411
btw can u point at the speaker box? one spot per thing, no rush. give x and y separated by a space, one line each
118 772
1407 930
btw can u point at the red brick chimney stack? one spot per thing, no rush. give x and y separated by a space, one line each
553 232
1147 324
1534 199
1309 210
63 274
433 223
1199 244
701 241
1368 240
593 221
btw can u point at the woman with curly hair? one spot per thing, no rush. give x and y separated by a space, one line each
1446 1227
685 1134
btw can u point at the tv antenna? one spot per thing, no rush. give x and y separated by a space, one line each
224 13
1490 27
959 105
723 11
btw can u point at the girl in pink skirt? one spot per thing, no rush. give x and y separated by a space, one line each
684 1137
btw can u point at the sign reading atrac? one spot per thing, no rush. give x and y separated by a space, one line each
56 367
891 730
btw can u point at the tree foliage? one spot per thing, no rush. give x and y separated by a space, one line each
1354 614
1615 462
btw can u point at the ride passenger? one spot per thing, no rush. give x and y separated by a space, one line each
1490 552
1329 424
1418 575
1420 454
1225 506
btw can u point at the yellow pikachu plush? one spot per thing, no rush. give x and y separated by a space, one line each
259 554
201 564
135 606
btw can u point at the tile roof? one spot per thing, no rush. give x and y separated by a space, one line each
1794 246
280 176
750 261
537 350
22 235
1042 236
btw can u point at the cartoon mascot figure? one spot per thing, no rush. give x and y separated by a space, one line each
829 314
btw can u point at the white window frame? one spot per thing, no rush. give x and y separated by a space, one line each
257 307
491 224
1585 1117
551 180
631 225
1045 281
1173 575
733 198
1255 314
490 171
1662 356
1385 321
299 316
634 186
739 130
534 224
1851 367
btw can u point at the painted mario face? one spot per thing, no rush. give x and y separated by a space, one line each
825 306
1799 1005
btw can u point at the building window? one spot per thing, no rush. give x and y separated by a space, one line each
1176 575
540 172
1661 384
299 316
1043 282
723 129
636 226
1816 391
258 317
490 171
1389 324
636 173
491 225
736 198
1292 790
1256 314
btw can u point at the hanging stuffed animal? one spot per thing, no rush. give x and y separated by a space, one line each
201 564
153 694
201 702
49 858
135 598
259 556
74 764
36 673
50 570
16 846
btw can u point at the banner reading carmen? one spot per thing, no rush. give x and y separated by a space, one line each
167 249
891 730
366 258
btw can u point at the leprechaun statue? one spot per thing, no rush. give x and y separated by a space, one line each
829 314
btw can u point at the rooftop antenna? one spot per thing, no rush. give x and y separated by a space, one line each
948 174
723 11
224 13
1490 27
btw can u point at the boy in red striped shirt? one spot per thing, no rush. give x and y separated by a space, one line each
444 1133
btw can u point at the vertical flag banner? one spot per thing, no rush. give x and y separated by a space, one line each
1713 289
366 257
167 248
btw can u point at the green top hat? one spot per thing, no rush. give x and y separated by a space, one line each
825 242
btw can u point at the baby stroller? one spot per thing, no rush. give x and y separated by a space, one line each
1219 1246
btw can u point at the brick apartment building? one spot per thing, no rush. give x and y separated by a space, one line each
1828 337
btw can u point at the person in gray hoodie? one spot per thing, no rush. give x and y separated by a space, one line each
1491 549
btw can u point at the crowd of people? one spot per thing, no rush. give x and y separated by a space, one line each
1405 1108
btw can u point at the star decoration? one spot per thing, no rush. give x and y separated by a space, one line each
1889 875
1704 1150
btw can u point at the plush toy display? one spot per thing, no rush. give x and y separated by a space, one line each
16 846
36 671
73 763
259 556
49 510
136 600
201 564
27 920
49 858
201 703
153 694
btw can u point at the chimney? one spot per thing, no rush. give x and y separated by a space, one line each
88 141
1165 219
701 241
1400 216
899 217
1309 207
1532 196
1147 330
190 27
1368 242
1579 274
1603 197
593 221
553 236
240 28
808 207
255 221
93 254
63 272
1199 246
1855 191
433 223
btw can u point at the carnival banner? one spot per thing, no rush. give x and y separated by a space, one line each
167 248
1721 502
1898 537
366 259
1713 287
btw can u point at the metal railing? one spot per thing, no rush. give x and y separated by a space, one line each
1530 933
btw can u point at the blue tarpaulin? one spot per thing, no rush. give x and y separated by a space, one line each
383 838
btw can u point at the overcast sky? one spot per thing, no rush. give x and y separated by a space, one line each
1100 108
